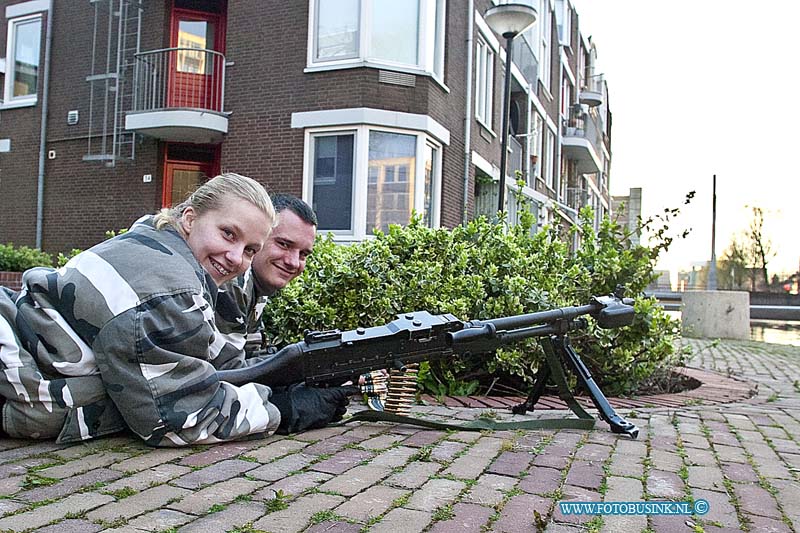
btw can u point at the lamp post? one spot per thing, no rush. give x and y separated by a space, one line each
508 20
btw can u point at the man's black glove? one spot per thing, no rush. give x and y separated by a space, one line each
303 407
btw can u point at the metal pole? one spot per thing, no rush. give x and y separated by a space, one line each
712 267
504 131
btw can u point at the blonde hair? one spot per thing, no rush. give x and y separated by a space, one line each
212 195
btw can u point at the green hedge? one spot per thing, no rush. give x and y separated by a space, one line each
482 270
22 258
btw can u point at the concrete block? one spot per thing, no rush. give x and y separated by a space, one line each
716 314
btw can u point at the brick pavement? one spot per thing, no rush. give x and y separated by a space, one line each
742 457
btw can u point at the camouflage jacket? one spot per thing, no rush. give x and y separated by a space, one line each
240 305
124 335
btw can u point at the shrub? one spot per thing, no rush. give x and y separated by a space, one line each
483 270
22 258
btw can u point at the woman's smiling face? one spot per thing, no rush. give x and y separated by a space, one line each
225 240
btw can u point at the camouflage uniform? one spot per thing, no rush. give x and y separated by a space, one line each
124 335
240 304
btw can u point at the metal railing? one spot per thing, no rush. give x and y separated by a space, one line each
188 78
584 125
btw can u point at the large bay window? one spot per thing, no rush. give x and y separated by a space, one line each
406 35
363 178
22 60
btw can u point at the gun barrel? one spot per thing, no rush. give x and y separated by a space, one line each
540 317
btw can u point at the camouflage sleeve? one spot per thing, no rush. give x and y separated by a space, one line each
157 364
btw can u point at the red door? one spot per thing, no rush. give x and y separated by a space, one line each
187 166
196 70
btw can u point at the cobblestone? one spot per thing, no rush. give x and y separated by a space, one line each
386 478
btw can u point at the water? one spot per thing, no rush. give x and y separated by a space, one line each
773 331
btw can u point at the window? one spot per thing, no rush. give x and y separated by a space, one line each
398 34
352 194
22 60
547 158
484 75
545 47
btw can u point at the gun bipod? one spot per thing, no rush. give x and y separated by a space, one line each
558 352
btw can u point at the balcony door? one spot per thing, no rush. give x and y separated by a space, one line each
196 71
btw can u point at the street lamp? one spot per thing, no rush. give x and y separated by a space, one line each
508 20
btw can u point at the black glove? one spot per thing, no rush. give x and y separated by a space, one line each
303 407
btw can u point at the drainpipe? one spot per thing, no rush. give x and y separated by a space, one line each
468 111
43 130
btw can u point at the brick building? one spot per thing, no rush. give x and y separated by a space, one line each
366 109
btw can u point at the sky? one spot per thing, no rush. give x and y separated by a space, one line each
697 88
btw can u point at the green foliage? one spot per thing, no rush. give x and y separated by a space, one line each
22 258
484 270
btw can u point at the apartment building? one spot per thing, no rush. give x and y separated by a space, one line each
368 109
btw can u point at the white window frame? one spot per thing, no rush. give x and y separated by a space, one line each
428 64
10 101
358 231
545 44
484 82
548 158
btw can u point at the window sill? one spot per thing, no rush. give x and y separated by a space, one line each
18 104
358 63
486 128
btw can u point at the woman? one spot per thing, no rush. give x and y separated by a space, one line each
124 334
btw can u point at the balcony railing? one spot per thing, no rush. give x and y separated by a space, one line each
180 78
514 158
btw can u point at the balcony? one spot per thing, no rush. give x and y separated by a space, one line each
592 93
582 141
179 95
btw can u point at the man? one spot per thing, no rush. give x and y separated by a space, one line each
282 259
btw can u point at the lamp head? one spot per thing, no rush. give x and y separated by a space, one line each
509 20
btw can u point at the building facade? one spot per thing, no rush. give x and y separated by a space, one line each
369 110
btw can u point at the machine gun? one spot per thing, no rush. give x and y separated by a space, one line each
334 357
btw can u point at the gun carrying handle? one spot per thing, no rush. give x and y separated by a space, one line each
279 369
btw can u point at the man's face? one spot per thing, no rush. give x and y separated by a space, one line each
283 257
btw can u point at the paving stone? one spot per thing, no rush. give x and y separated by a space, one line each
739 473
220 452
280 468
578 494
293 485
475 460
382 442
732 454
201 501
160 520
71 525
137 504
233 516
371 503
20 468
724 437
423 438
295 517
10 506
147 478
343 461
69 485
788 495
695 457
706 477
435 493
554 457
465 436
767 525
720 509
757 501
668 485
673 524
273 450
151 459
414 475
622 489
331 445
520 513
593 452
585 474
489 489
446 450
321 434
394 457
541 480
214 473
334 527
84 464
402 520
784 446
466 518
76 503
772 468
693 441
355 480
28 449
663 460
